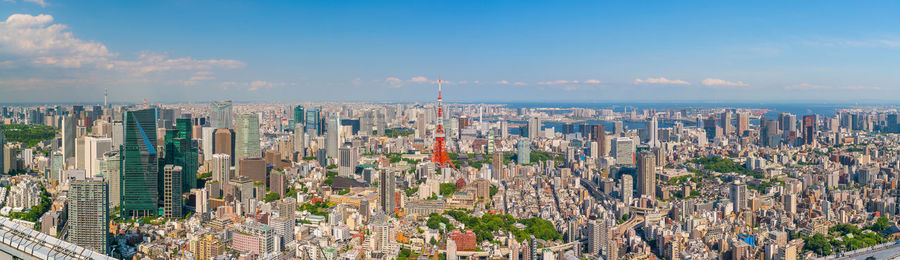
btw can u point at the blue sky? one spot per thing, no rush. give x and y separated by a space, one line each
716 51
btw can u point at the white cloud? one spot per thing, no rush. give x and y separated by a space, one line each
723 83
661 80
42 3
519 83
503 82
555 82
34 42
803 86
33 39
394 82
419 79
148 62
592 81
253 85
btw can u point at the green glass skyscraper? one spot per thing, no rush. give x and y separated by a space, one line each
182 151
298 115
139 164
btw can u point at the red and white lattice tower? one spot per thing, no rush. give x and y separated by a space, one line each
439 153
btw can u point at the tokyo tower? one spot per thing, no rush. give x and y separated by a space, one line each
439 153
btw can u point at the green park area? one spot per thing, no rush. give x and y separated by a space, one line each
30 135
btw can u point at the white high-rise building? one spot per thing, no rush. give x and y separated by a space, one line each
208 136
623 150
221 167
739 195
653 132
92 150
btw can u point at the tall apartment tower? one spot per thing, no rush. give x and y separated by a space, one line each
172 191
725 122
68 137
627 189
88 213
598 133
221 167
646 170
386 192
139 164
332 136
743 123
739 195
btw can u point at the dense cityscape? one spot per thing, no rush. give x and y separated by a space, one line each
227 180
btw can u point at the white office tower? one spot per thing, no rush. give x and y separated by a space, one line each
653 132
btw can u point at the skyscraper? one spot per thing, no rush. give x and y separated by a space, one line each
646 170
739 195
110 169
347 160
172 191
139 164
93 149
221 167
497 166
299 140
534 127
68 137
181 150
386 192
809 128
725 122
332 136
220 114
246 140
627 189
299 115
524 149
653 132
312 122
595 229
598 133
88 213
623 150
224 142
743 123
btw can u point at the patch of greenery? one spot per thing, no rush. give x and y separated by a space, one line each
395 132
484 226
316 208
271 196
412 191
30 135
494 190
448 189
724 165
205 175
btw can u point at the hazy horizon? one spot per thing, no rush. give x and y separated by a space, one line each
171 51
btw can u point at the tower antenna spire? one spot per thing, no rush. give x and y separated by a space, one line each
439 153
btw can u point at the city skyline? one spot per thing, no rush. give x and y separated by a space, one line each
485 52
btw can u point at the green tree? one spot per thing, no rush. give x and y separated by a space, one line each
271 196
